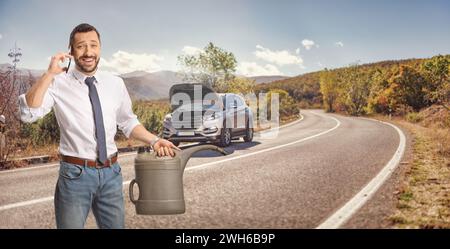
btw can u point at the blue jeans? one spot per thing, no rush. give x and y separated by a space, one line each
81 187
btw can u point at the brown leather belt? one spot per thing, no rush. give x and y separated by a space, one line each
89 163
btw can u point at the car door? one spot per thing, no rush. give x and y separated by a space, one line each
240 113
230 111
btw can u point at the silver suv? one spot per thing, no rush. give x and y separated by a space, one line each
201 115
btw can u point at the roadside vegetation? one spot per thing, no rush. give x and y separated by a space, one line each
423 197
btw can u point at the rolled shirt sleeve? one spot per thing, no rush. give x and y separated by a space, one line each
28 114
126 119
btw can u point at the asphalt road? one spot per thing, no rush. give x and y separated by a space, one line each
296 180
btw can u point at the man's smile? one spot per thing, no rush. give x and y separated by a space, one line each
88 61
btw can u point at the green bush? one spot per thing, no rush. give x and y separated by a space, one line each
46 130
413 117
151 114
42 132
287 105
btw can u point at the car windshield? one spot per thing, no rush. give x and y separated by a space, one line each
208 105
229 100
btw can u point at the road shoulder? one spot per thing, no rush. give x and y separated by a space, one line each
377 211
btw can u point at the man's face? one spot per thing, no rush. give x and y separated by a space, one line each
86 51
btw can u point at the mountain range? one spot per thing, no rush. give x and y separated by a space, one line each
149 86
143 85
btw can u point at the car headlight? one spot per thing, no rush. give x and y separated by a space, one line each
210 117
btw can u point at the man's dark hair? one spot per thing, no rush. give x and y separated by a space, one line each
81 28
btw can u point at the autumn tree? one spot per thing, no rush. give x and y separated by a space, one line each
378 101
409 87
436 72
287 105
329 89
12 83
42 132
241 85
355 85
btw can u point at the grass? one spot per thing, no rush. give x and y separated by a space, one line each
413 117
29 151
406 197
423 198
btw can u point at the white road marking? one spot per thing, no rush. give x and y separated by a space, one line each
342 215
283 126
338 123
50 198
29 168
26 203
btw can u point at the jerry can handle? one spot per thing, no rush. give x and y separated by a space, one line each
154 155
131 191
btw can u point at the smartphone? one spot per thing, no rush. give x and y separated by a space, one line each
68 66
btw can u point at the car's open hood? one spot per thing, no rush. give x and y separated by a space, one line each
188 90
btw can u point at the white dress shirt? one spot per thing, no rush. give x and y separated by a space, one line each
68 95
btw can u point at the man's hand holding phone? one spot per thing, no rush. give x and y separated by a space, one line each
35 94
54 67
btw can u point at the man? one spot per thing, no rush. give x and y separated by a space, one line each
88 105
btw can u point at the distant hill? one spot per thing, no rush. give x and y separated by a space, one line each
22 71
143 85
149 86
24 78
267 79
134 74
306 87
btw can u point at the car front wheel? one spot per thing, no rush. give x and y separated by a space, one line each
225 137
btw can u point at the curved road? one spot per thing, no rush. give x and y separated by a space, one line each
296 180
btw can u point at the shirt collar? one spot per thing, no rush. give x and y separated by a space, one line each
81 77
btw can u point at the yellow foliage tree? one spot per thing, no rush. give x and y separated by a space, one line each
329 89
241 86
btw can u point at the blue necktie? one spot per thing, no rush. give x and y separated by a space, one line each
98 119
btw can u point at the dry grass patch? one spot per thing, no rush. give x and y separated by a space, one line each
424 195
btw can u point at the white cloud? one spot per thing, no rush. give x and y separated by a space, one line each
124 62
253 69
308 44
189 50
297 51
339 44
280 58
1 36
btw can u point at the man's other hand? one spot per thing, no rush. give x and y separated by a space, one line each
164 147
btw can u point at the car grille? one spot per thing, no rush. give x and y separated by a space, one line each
187 120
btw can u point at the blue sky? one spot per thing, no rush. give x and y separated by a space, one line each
267 37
